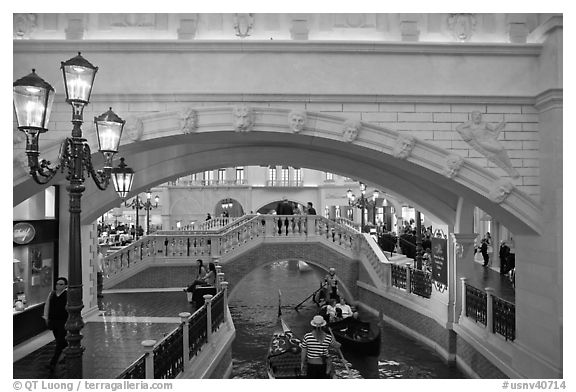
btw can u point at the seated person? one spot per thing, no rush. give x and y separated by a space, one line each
346 309
209 279
331 310
338 316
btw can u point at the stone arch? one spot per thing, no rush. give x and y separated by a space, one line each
319 255
164 151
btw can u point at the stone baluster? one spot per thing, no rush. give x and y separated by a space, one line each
149 362
208 301
489 309
185 318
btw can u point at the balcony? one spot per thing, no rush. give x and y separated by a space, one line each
285 184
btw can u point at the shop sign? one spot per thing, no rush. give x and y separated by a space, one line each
439 261
23 233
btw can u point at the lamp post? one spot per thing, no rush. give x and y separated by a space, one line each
362 203
148 206
33 98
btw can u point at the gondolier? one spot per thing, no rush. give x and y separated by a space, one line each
315 346
331 285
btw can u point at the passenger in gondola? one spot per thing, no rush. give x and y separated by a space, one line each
344 308
330 310
315 344
338 316
331 284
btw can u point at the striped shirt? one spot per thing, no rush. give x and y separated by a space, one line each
314 348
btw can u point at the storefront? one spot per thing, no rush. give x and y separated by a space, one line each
35 261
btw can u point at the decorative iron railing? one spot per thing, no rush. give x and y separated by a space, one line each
137 370
421 283
197 333
217 311
399 276
504 319
168 360
476 306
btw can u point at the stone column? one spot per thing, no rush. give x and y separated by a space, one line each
185 318
489 310
463 260
224 286
463 296
219 280
149 349
208 301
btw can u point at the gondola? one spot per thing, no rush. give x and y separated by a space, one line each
357 336
283 358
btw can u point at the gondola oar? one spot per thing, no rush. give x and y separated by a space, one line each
340 352
310 296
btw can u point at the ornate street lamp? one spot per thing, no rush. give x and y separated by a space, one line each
33 98
148 206
362 203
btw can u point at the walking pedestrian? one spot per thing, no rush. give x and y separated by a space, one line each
55 315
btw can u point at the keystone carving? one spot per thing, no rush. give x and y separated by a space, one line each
404 146
297 120
24 25
188 120
462 26
242 119
134 128
350 130
453 165
483 137
500 191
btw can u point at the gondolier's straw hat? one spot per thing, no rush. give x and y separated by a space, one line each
332 270
318 321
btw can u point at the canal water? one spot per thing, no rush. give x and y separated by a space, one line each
254 308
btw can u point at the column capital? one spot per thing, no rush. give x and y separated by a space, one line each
463 238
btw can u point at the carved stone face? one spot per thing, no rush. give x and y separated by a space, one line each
404 146
188 120
351 129
297 121
242 118
453 164
134 128
501 191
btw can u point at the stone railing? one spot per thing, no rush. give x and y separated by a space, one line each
183 245
172 355
348 223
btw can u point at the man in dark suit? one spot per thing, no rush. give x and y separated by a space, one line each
283 208
55 315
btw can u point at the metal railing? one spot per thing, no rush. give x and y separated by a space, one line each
504 320
476 306
168 360
137 370
399 276
420 283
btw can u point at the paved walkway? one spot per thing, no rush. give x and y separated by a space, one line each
112 338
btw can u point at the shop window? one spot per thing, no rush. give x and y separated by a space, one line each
33 271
